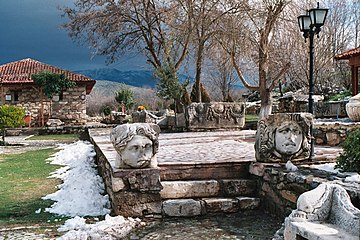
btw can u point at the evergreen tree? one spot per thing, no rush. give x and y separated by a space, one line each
169 86
125 96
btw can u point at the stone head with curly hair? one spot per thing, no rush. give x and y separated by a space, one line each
136 145
283 137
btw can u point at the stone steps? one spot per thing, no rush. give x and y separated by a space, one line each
204 171
199 197
207 188
196 207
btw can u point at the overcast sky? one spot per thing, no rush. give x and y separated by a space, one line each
31 29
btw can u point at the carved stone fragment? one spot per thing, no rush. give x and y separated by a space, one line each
283 137
325 212
136 144
215 115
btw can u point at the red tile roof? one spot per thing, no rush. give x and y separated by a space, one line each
348 54
21 71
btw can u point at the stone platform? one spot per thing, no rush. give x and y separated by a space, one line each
201 148
200 172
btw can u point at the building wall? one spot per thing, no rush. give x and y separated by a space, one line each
71 109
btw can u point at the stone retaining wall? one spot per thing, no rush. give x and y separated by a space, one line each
332 134
279 188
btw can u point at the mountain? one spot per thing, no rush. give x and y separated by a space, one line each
137 78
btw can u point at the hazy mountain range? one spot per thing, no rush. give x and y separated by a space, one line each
136 78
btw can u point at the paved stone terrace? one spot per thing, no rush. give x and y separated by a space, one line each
204 147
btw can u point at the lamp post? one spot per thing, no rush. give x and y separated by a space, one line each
310 24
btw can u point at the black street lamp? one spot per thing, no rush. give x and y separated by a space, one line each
310 24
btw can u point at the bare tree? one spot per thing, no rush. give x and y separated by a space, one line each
114 27
221 75
336 36
205 16
256 25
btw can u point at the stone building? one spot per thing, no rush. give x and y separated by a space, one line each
17 88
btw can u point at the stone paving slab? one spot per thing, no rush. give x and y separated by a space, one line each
193 147
204 147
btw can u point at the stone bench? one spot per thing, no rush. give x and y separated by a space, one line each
323 213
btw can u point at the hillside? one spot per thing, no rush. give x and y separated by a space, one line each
138 78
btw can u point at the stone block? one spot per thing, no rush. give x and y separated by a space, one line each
248 203
180 120
182 208
215 115
141 180
325 212
289 195
227 205
238 187
257 169
136 204
187 189
117 184
332 139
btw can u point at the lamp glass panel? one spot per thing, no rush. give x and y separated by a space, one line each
318 16
307 22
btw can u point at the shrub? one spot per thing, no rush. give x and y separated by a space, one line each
340 96
10 117
107 110
349 159
204 94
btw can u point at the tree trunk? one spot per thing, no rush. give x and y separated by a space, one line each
42 107
266 103
265 94
3 136
199 60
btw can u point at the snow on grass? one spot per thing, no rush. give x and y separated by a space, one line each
111 228
80 194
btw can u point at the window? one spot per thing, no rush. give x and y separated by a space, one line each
8 97
16 96
58 97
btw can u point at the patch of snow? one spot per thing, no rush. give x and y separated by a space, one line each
290 166
354 178
80 194
328 167
38 211
111 228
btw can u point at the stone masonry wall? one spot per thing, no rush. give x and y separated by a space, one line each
71 110
279 188
332 134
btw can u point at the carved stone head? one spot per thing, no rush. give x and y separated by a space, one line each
136 145
283 137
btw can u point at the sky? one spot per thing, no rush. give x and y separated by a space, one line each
32 29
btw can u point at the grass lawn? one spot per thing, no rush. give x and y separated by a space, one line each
251 118
23 181
60 137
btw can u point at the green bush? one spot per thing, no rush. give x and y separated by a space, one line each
10 117
349 159
340 96
107 110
